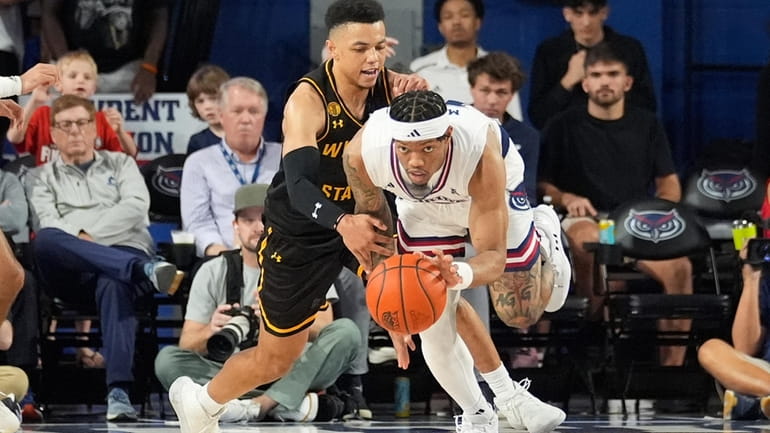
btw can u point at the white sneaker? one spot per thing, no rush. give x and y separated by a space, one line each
479 423
380 355
524 411
183 394
241 411
306 411
10 414
549 228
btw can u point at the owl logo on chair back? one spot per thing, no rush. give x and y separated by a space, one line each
726 185
654 225
167 180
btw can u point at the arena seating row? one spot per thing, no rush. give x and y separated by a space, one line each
610 359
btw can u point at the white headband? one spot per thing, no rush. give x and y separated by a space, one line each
416 131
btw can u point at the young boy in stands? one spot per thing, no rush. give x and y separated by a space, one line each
203 97
78 74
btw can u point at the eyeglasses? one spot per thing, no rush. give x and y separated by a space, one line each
66 125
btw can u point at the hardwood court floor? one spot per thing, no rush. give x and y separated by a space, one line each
421 424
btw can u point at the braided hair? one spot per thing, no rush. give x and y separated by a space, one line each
417 106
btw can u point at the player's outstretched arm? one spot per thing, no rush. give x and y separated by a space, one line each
370 201
488 217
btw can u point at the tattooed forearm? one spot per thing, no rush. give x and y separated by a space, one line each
369 199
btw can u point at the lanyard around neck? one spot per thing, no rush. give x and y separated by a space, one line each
234 166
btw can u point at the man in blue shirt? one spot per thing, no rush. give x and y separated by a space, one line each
213 174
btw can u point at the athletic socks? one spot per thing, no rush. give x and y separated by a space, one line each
499 381
209 405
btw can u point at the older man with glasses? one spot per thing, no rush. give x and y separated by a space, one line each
90 213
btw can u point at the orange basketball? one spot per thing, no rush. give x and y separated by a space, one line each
406 294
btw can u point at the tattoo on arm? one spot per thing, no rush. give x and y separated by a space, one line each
369 200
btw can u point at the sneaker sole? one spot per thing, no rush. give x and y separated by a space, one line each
547 428
559 260
164 278
122 417
730 401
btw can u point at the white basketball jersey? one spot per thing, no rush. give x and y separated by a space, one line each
443 212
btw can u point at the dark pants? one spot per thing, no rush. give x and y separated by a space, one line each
81 272
25 319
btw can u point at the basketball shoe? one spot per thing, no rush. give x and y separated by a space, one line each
524 411
549 228
476 423
10 414
737 406
193 418
242 411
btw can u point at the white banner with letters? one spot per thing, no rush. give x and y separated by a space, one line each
160 126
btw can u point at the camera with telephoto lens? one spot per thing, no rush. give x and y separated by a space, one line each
240 331
758 252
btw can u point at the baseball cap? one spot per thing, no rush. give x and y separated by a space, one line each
252 195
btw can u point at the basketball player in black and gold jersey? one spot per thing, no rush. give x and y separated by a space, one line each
309 212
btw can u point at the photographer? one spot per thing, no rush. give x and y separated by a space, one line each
333 347
743 369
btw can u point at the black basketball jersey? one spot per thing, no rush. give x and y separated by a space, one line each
341 126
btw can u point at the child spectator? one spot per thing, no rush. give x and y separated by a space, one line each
78 74
203 97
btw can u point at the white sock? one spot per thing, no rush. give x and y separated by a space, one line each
209 404
499 381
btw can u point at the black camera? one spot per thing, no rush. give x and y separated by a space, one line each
758 252
240 331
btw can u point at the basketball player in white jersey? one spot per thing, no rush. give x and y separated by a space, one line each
456 174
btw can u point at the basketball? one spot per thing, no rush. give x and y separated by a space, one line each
406 294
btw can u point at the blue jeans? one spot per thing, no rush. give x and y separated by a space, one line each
85 272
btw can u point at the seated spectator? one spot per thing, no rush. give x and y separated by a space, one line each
212 175
494 80
459 22
92 243
743 367
597 157
126 39
203 97
557 69
331 351
78 77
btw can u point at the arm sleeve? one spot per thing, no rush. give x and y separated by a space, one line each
133 205
302 168
10 86
195 203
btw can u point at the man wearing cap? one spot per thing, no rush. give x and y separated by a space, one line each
333 346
